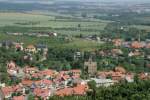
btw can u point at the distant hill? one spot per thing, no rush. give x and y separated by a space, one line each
66 5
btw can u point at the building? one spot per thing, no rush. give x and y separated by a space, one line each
30 48
137 45
103 82
41 47
117 42
77 55
90 67
7 44
30 70
19 97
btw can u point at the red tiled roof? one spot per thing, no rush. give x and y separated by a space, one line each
41 92
17 88
44 81
7 90
65 92
136 45
18 98
27 82
43 73
80 89
47 72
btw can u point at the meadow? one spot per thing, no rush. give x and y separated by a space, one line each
142 27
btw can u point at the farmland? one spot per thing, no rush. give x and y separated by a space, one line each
51 23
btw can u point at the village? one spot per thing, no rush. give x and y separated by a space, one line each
46 83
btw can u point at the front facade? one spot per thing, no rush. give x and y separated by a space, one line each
30 48
90 67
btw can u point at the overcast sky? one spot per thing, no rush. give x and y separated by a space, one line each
48 1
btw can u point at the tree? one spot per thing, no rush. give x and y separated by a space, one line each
30 97
92 86
84 15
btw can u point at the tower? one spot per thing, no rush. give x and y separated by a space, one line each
90 67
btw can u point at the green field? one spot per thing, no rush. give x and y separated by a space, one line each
53 42
63 26
141 27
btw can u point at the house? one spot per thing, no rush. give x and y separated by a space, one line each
135 53
30 70
19 98
104 74
117 76
41 47
43 93
44 74
12 69
11 65
47 73
28 57
80 89
53 34
44 83
76 72
126 44
27 82
77 55
137 45
129 77
31 49
103 82
148 45
18 46
7 91
120 70
90 67
117 42
7 44
144 76
116 52
64 92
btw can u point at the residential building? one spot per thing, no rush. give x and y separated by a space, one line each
31 49
117 42
103 82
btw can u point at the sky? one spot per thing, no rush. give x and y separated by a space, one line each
49 1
